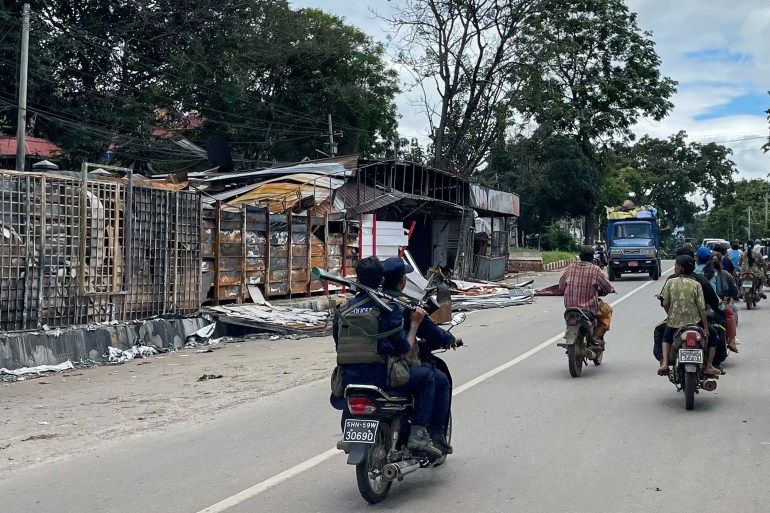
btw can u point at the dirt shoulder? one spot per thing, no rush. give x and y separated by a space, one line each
82 410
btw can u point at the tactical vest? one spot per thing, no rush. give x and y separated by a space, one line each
357 335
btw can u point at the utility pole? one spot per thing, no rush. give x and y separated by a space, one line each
332 145
748 211
21 126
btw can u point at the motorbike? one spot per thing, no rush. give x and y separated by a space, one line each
579 340
600 258
750 288
688 356
378 432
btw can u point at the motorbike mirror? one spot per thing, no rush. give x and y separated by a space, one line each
458 318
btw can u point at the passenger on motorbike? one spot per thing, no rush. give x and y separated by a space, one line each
753 263
728 293
727 263
735 254
581 284
430 337
683 300
365 336
713 305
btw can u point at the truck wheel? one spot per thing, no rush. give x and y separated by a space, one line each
611 273
655 274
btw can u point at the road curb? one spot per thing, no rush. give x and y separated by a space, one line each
560 264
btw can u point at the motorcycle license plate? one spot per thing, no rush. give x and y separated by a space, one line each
690 356
360 431
633 264
747 284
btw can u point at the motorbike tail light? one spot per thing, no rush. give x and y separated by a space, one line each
359 405
691 338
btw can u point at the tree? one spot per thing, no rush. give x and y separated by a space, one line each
257 72
551 174
597 75
463 53
669 174
730 219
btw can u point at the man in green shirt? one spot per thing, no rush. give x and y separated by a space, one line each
684 303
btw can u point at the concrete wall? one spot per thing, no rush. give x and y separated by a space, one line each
29 349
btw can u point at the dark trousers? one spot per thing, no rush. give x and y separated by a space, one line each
421 383
442 399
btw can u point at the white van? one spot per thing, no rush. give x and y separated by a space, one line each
710 243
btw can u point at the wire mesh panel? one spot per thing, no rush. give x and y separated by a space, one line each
44 231
15 252
150 233
184 290
59 231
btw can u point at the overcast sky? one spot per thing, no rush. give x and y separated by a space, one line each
718 51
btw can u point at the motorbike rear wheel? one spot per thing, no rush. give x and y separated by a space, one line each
749 300
371 483
575 357
689 390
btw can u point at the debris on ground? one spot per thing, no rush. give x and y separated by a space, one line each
202 337
8 376
115 355
468 295
282 320
4 445
45 436
206 377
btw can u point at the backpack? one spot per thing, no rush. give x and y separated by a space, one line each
735 256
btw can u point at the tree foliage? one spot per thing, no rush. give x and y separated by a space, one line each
258 72
730 219
550 173
462 55
670 174
597 73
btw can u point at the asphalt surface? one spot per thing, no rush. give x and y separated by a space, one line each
527 436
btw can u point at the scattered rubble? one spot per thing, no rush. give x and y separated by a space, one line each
206 377
478 296
25 373
116 356
276 319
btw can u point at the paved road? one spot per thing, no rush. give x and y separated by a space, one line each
527 437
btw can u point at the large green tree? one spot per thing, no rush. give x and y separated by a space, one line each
741 214
597 73
257 72
550 173
672 175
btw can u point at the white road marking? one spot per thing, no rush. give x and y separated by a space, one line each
258 488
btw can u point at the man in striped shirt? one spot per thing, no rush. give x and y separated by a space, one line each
581 284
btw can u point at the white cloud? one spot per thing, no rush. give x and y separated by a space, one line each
681 29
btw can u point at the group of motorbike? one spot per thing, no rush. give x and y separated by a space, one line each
688 352
377 432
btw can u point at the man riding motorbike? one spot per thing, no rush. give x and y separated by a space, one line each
365 337
752 262
430 337
581 284
683 300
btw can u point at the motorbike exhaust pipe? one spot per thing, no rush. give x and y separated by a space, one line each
399 469
709 385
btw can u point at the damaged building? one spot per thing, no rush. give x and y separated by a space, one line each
75 252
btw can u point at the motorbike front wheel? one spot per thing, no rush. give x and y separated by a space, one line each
575 358
371 483
689 390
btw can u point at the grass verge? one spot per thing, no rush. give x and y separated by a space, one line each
555 256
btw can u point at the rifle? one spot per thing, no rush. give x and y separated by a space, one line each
379 297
